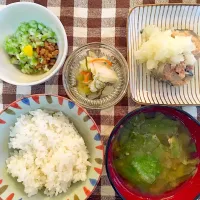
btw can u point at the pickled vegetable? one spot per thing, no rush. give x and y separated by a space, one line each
97 76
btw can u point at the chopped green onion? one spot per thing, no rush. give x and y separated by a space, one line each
28 33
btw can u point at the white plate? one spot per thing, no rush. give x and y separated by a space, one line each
145 89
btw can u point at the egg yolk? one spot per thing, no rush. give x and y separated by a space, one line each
28 50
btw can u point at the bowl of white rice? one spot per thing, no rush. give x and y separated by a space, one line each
50 148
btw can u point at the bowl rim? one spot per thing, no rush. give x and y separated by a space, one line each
66 67
84 110
60 64
123 120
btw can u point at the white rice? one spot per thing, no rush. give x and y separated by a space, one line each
49 153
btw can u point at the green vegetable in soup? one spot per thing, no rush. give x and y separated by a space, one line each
153 153
148 167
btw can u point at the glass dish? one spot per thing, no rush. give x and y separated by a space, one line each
119 65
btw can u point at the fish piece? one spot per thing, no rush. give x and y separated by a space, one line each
175 75
195 39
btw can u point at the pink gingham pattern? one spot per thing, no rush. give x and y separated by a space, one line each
89 21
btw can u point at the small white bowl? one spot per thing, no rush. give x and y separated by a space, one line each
10 18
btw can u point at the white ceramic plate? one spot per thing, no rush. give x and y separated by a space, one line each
145 89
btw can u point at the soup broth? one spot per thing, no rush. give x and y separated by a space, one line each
154 153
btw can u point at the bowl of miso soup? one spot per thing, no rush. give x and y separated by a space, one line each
154 153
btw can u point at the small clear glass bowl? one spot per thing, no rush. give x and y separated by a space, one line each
71 68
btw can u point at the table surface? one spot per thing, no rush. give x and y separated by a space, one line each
89 21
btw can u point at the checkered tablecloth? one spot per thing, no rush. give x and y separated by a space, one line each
89 21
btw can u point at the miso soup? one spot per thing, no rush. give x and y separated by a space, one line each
154 153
